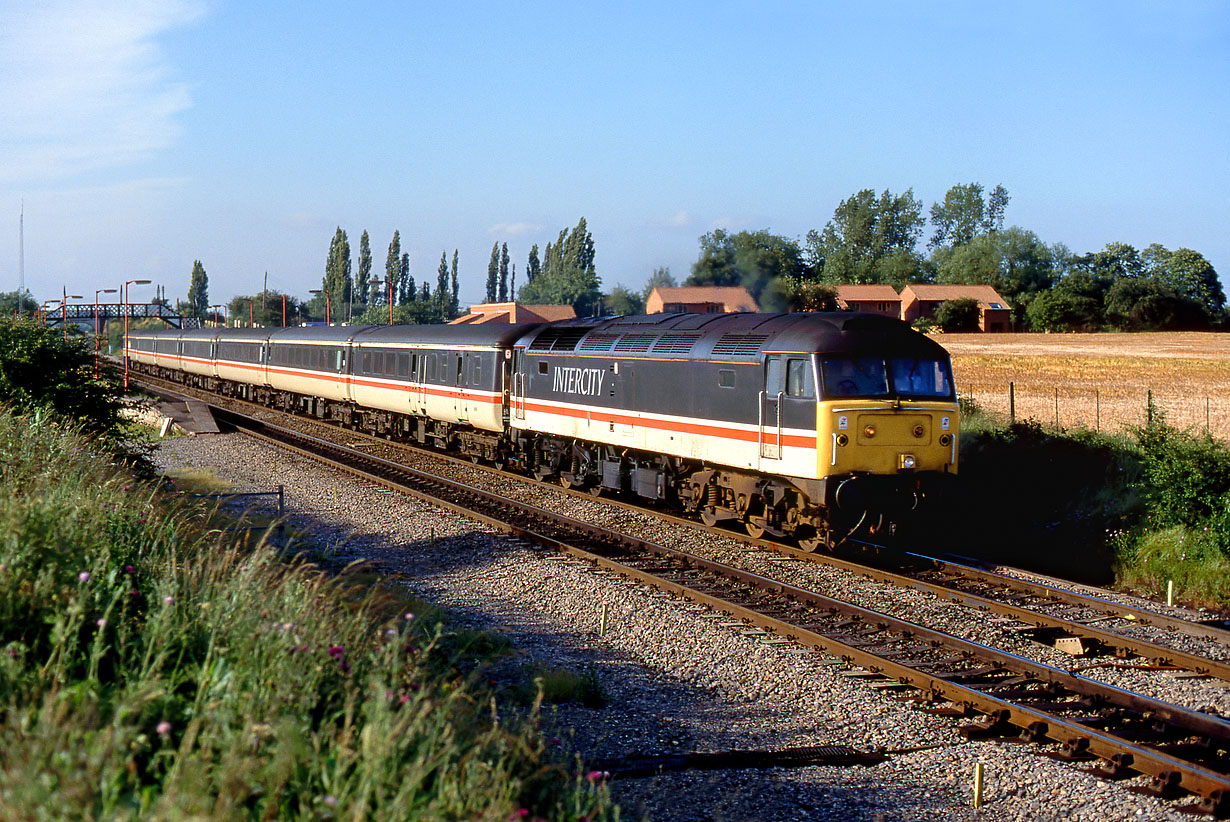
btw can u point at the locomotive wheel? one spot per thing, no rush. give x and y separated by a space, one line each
708 518
812 539
753 530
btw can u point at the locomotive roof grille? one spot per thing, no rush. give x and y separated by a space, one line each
635 342
676 343
739 345
598 342
558 338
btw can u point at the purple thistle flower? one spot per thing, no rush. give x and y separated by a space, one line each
84 576
163 728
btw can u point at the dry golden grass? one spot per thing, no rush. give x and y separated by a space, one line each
1098 380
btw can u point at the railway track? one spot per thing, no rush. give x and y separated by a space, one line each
1182 751
1093 629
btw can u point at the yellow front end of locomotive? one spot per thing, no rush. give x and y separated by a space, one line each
877 437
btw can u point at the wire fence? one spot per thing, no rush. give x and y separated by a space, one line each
1113 409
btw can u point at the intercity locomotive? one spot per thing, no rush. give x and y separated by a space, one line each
814 426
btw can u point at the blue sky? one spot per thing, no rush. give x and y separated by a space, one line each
148 134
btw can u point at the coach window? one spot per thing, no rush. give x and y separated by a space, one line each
726 378
461 372
798 379
414 365
477 371
431 367
403 365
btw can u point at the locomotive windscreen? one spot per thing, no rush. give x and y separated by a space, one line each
903 377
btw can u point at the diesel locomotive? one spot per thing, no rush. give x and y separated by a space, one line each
814 426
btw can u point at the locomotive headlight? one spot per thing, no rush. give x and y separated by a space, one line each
869 431
905 462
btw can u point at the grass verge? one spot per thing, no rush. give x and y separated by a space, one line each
150 669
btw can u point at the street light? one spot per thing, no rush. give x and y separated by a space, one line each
64 293
125 296
326 293
216 322
97 344
46 306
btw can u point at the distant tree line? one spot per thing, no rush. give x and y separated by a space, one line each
875 239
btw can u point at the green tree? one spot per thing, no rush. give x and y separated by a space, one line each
568 275
1150 304
870 239
1189 275
198 291
623 302
337 281
265 309
406 282
442 292
363 278
504 273
809 295
964 214
39 369
756 260
1015 262
392 270
533 265
493 273
660 278
958 315
455 310
17 302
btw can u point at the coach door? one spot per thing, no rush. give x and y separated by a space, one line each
518 384
770 423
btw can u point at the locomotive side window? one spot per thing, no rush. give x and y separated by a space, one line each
921 378
726 378
542 366
798 379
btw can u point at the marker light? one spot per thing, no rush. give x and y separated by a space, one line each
869 431
919 431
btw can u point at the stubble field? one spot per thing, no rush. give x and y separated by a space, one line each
1098 380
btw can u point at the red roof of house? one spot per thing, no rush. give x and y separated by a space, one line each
514 313
986 296
867 292
732 297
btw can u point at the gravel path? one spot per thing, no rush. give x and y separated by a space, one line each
677 678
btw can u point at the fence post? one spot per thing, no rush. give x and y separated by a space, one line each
1056 408
1097 412
1149 407
1012 403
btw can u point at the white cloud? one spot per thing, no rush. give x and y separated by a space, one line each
680 219
84 85
513 229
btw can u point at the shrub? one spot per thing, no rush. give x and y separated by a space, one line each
958 315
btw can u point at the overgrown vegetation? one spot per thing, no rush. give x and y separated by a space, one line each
1139 509
150 669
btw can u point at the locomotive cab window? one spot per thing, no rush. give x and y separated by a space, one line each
799 379
921 378
854 377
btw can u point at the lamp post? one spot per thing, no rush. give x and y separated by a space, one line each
216 321
98 291
64 293
46 306
125 296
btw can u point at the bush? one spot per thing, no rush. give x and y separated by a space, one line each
40 370
958 315
149 669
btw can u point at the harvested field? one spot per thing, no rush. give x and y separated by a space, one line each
1098 380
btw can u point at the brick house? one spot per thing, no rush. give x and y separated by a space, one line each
922 300
700 299
510 313
873 299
